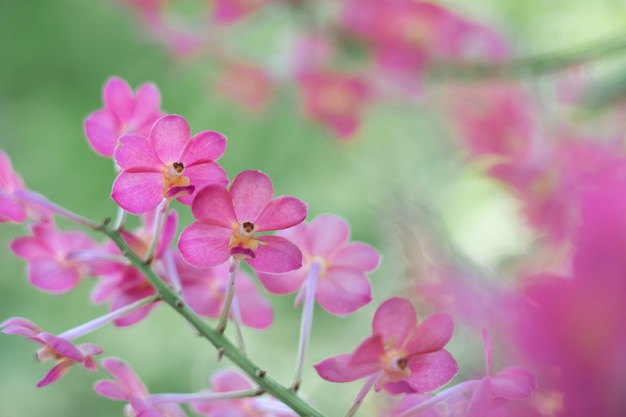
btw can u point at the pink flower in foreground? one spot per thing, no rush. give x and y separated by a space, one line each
228 381
402 355
228 220
123 112
128 387
204 290
63 352
169 164
343 286
50 256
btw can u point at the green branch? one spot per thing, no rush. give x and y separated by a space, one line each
223 345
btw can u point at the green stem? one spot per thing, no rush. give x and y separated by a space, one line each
265 382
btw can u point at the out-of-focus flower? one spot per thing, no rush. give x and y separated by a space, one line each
227 223
247 85
403 356
169 164
123 112
230 11
63 352
342 282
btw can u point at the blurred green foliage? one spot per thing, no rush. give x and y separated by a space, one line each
56 57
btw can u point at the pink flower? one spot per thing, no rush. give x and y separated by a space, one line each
169 164
343 286
64 353
334 100
205 292
247 85
128 387
229 11
402 355
123 113
228 221
50 253
228 381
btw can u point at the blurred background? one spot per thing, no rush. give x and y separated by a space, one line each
401 165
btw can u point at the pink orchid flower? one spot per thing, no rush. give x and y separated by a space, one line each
204 290
228 220
401 355
128 387
342 284
63 352
123 112
50 253
230 381
169 164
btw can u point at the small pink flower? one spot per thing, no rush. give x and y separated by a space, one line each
128 387
343 286
228 222
228 381
50 253
63 352
123 112
403 356
247 85
169 164
205 292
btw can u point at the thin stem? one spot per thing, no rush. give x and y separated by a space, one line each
258 375
361 395
306 321
172 271
120 218
230 292
203 396
40 200
442 396
157 227
98 322
95 256
236 316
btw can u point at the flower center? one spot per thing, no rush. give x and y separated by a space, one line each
173 176
242 242
395 365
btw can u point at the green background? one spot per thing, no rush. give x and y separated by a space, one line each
55 58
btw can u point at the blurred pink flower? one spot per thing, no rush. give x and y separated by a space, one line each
204 290
128 387
247 85
403 356
230 381
63 352
227 222
49 252
230 11
169 164
123 112
343 286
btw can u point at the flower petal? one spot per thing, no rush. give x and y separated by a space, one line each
431 334
431 371
62 346
284 283
514 383
55 373
205 146
138 192
201 176
111 390
357 255
21 323
327 233
146 109
134 152
368 353
275 254
169 137
30 248
394 320
281 213
118 97
204 245
479 403
251 191
125 375
11 209
256 311
343 290
228 380
51 276
102 129
214 205
338 369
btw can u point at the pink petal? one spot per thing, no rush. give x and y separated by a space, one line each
51 276
21 322
284 283
203 175
214 205
488 351
204 245
281 213
357 255
118 97
327 233
343 290
514 383
29 248
62 346
202 299
275 255
479 403
111 390
11 209
138 192
125 375
228 380
9 179
129 297
431 334
102 129
251 191
394 320
55 373
136 153
256 311
205 146
338 369
143 408
169 137
146 107
431 371
368 353
168 233
90 349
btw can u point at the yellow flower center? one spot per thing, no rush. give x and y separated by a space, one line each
173 176
395 365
